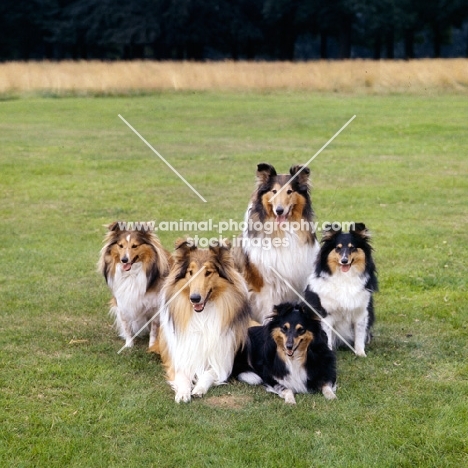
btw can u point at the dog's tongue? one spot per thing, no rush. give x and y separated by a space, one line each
280 219
126 266
345 268
289 352
199 307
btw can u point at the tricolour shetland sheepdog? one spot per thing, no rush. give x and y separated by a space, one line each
134 265
345 280
204 320
289 354
278 234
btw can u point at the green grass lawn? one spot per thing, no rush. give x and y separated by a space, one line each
68 166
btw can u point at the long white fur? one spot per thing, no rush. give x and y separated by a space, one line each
202 354
345 298
135 307
293 261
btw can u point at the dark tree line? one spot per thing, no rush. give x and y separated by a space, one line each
236 29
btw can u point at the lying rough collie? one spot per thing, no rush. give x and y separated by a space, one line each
205 318
289 354
345 280
279 234
134 265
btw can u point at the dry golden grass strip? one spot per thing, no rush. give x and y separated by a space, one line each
143 76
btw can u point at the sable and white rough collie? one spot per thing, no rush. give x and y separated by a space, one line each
204 320
279 234
289 354
134 265
344 280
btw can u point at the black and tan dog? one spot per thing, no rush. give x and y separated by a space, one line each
289 354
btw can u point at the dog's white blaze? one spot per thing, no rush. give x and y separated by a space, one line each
204 347
345 298
133 304
293 262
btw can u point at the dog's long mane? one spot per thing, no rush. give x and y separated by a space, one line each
224 320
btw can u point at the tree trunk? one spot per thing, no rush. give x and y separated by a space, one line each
323 45
409 44
345 38
377 47
390 44
437 40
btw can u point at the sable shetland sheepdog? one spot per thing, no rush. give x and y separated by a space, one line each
345 280
204 320
134 265
289 354
279 233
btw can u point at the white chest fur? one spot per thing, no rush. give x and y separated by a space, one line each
291 262
129 287
296 380
342 292
203 345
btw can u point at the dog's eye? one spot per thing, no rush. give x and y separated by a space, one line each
285 329
300 331
337 249
208 273
134 246
289 192
120 246
190 272
274 190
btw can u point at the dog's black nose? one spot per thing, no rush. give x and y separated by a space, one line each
279 210
344 260
125 260
195 298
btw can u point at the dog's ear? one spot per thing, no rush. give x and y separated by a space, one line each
360 230
223 258
182 248
115 226
181 257
330 233
264 173
303 178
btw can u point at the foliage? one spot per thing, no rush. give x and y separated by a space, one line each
197 29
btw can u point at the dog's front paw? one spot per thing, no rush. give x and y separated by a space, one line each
129 343
360 352
182 397
328 392
199 391
288 396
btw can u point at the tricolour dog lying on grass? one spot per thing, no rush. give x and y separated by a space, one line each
279 234
204 320
134 265
344 280
289 354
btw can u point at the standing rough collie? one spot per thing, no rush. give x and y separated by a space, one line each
205 318
279 233
134 265
289 354
345 280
